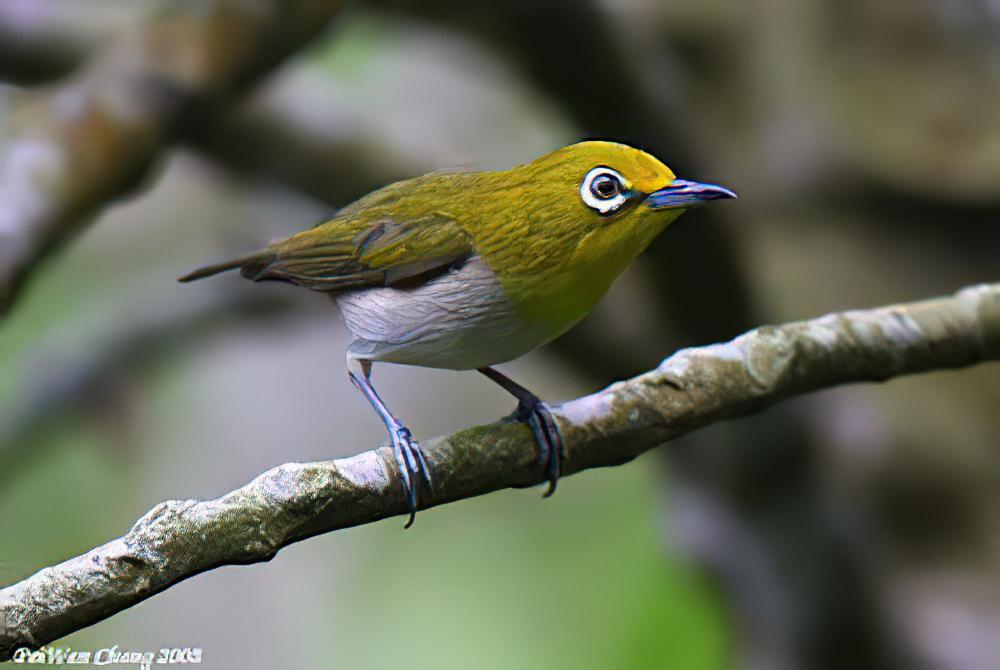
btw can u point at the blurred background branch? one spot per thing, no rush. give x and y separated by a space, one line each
691 389
68 150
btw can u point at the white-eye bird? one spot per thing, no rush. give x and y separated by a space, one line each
467 270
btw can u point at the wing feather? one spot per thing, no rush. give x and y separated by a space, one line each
350 254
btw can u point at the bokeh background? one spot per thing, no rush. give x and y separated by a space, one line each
854 528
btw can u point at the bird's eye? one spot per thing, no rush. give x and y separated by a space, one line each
605 186
604 190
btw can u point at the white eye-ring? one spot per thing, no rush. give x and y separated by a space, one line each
604 190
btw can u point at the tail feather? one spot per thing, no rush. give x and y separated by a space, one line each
251 267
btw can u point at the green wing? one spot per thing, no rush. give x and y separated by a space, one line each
351 253
390 237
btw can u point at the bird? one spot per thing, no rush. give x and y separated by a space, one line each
468 270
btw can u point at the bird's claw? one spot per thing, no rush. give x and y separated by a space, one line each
539 419
412 462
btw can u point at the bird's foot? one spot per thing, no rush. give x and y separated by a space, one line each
413 465
539 419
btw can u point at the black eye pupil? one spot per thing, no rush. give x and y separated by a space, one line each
605 187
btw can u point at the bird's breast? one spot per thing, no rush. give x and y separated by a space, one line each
460 320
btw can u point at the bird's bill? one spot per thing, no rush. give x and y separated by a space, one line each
684 193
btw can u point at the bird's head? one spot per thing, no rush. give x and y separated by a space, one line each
612 199
607 183
589 209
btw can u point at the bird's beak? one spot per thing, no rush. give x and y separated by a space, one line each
684 193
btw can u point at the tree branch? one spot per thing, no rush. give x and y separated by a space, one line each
66 151
689 390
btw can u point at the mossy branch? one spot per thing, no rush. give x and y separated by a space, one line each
691 389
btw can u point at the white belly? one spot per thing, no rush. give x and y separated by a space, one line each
459 321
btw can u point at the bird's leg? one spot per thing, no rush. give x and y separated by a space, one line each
409 456
533 411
